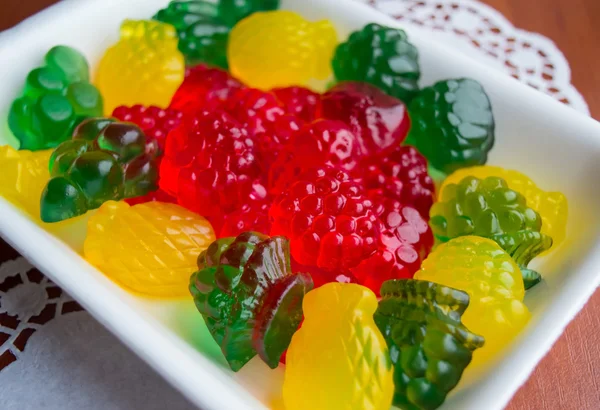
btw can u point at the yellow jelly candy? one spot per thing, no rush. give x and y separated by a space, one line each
144 67
150 248
552 206
280 48
24 177
338 359
493 281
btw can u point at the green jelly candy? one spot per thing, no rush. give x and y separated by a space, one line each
429 346
61 199
381 56
99 176
452 124
91 128
232 11
63 156
489 208
248 296
56 97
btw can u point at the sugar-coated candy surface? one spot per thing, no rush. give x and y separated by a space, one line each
552 206
156 122
338 359
378 120
493 281
249 297
404 241
149 248
322 142
279 49
399 174
204 87
330 223
489 208
210 166
105 160
24 176
144 67
452 124
381 56
57 97
429 346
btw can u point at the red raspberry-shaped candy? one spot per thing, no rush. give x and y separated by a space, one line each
159 196
322 142
271 144
378 120
252 216
154 121
399 174
254 108
210 165
299 101
204 88
330 223
404 242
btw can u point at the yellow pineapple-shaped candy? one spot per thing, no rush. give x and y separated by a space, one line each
150 248
144 67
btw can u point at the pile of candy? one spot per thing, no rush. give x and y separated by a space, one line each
309 222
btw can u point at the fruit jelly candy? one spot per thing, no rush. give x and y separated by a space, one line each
322 142
404 241
143 67
158 196
149 248
379 121
330 223
156 122
257 110
429 346
552 206
210 166
381 56
204 87
299 101
253 216
338 359
280 48
399 174
249 297
105 160
489 208
24 176
452 124
57 97
493 281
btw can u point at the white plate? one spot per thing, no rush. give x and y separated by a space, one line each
550 142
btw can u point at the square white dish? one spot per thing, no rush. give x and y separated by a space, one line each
557 147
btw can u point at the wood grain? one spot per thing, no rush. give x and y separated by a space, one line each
568 378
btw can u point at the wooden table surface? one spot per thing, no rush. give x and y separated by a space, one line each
568 378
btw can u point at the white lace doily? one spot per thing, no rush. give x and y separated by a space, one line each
39 344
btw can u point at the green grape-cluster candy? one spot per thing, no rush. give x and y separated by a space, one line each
490 209
452 124
105 160
203 26
57 96
429 346
249 297
382 56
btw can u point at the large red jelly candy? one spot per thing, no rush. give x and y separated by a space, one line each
378 120
330 223
204 88
154 121
256 109
399 174
252 216
210 166
404 242
319 143
299 101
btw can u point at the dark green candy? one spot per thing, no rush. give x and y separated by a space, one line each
489 208
105 160
249 297
382 56
56 97
452 124
203 27
429 346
